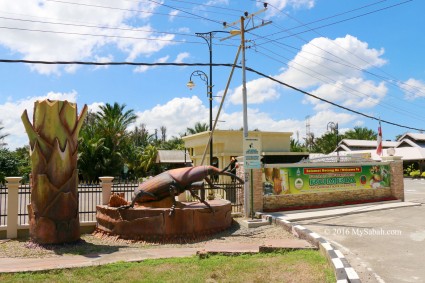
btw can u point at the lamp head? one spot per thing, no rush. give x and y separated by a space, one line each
190 85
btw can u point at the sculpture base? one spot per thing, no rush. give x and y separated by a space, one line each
189 221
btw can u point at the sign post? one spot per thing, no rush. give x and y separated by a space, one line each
251 150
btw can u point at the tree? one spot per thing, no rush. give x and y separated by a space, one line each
148 158
198 128
325 144
140 136
113 122
24 168
9 164
296 146
173 143
360 133
2 136
105 141
163 133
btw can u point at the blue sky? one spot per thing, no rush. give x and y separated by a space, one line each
367 56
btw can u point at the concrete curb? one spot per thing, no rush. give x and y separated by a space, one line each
344 272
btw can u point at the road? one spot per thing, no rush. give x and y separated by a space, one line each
382 246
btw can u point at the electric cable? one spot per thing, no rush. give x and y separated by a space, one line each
207 64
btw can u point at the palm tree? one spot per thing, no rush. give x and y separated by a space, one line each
105 141
148 157
113 122
296 146
360 133
2 136
198 128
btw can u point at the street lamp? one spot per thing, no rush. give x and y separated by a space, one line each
207 36
190 85
334 127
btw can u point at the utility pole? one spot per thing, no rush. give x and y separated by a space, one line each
248 186
208 36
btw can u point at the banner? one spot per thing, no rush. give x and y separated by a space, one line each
299 180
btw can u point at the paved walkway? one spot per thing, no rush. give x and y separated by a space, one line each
137 254
295 216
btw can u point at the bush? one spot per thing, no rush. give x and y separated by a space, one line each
423 174
415 174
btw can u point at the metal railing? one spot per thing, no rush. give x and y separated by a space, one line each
24 194
231 191
90 195
3 204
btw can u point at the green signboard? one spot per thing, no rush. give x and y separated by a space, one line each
299 180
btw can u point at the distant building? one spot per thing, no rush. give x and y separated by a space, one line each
410 147
275 147
173 158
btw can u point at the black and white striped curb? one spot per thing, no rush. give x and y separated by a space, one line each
343 270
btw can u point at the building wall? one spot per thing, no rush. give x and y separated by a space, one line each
322 199
228 143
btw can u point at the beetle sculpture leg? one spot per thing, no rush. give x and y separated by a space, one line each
139 194
203 201
173 193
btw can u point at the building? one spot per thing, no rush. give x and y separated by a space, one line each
410 147
173 158
275 147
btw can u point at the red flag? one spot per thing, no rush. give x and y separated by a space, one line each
379 146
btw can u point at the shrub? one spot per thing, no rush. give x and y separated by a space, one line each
423 174
415 174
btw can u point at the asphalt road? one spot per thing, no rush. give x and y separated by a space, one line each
382 246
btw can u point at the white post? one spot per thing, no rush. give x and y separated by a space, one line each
106 183
12 206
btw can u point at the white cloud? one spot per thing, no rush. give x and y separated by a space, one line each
323 60
181 56
352 93
314 67
103 59
73 41
258 91
279 5
12 111
173 14
141 69
177 114
413 89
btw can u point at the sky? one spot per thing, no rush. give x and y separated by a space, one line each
365 56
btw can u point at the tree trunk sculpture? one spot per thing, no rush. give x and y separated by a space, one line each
53 138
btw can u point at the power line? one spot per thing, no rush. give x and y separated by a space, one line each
322 19
104 35
332 103
206 64
196 4
397 82
337 22
117 8
342 87
186 12
208 5
94 26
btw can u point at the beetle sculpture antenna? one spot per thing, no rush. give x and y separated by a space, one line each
174 182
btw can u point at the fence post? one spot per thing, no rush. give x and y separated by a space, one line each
12 206
106 183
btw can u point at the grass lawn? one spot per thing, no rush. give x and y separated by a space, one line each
291 266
